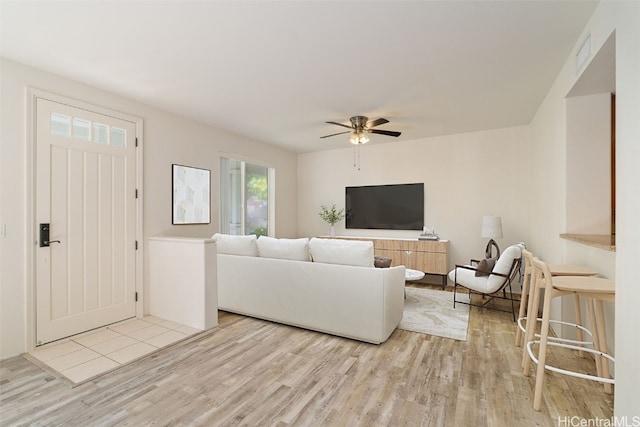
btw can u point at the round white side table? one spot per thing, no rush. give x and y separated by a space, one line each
411 275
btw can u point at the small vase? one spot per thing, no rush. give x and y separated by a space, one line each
332 231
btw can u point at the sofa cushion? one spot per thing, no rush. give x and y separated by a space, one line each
293 249
346 252
236 245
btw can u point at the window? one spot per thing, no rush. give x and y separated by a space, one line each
81 129
246 195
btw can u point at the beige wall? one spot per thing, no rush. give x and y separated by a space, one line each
167 139
589 164
624 17
466 176
627 316
548 204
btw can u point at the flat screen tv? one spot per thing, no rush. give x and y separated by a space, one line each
385 207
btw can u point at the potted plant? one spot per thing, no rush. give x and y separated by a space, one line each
331 216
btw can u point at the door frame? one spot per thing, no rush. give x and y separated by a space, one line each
32 95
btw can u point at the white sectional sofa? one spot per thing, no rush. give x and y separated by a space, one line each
339 292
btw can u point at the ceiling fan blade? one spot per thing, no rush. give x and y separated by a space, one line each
340 124
377 122
334 134
385 132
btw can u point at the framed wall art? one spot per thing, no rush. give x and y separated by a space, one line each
191 197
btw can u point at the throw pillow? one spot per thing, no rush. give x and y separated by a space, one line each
345 252
381 262
485 267
293 249
236 245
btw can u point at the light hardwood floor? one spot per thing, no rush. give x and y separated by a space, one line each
257 373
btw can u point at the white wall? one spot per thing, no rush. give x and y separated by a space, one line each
549 198
627 315
167 139
466 176
589 164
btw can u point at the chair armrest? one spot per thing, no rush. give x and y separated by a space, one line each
468 267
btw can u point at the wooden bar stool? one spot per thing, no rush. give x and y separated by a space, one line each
536 285
596 290
527 303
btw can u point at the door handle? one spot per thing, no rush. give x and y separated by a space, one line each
44 236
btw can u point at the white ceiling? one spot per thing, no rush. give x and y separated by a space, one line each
275 71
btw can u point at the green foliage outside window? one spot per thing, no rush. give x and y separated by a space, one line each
257 186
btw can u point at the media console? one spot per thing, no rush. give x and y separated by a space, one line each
429 256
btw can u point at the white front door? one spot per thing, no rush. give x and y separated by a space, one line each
85 195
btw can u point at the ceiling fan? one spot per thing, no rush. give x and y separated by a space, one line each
360 127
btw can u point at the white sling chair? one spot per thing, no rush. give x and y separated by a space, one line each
493 283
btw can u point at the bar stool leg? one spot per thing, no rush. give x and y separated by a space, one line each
602 343
523 306
542 350
532 315
578 313
594 331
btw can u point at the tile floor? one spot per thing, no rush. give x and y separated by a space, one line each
88 355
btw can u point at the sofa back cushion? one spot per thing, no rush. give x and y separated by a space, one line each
236 245
293 249
346 252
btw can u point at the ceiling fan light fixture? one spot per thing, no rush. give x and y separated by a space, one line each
360 128
358 138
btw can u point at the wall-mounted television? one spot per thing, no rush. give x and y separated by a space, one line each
385 207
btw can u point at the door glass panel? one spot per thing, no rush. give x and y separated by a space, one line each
257 212
100 133
81 129
60 124
118 137
244 198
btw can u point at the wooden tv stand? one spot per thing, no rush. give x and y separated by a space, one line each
430 256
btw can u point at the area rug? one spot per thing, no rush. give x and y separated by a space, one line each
431 312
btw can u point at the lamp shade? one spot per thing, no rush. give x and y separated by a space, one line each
491 227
